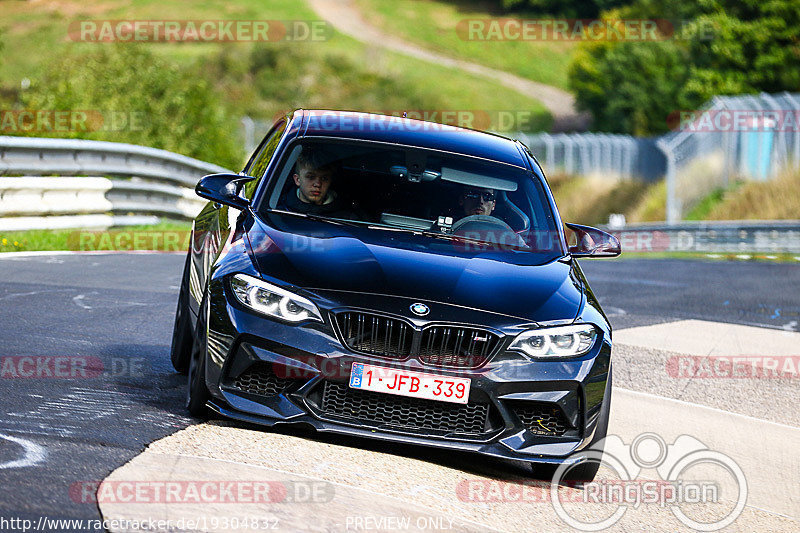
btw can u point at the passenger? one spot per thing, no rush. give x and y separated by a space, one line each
315 172
477 201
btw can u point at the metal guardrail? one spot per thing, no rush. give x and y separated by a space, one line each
741 236
53 183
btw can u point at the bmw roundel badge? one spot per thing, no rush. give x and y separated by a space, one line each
420 309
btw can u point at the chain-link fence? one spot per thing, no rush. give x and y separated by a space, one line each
752 138
597 155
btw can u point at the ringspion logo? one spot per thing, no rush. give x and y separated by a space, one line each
690 474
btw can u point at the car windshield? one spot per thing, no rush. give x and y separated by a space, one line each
438 195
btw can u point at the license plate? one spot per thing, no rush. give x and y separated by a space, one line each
407 383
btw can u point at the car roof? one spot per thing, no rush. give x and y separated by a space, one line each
410 132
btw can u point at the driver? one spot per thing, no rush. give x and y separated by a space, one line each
477 201
313 194
482 201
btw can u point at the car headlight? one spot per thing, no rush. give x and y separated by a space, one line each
559 341
273 301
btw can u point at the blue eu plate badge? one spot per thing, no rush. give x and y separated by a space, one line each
356 374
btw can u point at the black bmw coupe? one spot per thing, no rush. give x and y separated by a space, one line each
400 280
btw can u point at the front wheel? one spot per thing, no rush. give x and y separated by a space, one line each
181 349
197 390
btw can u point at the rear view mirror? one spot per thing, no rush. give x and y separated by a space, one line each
592 242
223 189
425 175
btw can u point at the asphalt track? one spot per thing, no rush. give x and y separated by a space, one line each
58 435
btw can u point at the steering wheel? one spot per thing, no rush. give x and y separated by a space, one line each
480 223
489 229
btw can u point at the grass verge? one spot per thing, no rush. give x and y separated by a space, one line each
771 200
164 236
591 200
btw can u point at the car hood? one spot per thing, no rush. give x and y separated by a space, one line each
320 256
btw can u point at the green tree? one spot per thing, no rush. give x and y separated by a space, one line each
629 87
751 50
720 47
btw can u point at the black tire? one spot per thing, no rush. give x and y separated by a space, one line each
586 471
197 389
182 334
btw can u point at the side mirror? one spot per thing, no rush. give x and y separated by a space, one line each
223 189
592 242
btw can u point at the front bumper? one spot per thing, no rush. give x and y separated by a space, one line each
308 361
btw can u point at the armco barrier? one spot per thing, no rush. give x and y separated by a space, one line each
712 237
47 183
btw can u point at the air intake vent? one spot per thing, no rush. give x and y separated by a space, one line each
540 418
259 379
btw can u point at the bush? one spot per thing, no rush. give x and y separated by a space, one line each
143 100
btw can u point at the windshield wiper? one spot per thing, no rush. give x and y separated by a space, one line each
349 222
311 216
